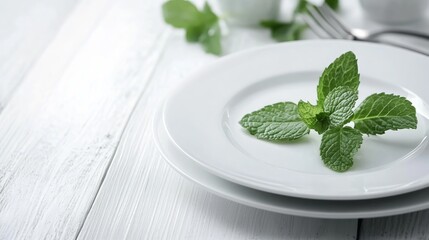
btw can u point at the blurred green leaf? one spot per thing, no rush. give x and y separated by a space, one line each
334 4
284 31
193 34
209 16
211 39
181 14
301 7
200 26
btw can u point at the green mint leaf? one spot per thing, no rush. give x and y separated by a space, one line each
322 123
211 39
334 4
381 112
307 112
279 121
337 110
313 116
339 146
339 104
342 72
181 14
283 32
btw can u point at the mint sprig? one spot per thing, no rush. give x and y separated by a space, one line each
200 26
337 93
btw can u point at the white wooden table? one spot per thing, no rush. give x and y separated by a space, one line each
79 83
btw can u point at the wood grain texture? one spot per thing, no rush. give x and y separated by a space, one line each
143 198
412 226
62 126
78 68
26 29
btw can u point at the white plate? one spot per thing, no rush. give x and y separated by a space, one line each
202 115
415 201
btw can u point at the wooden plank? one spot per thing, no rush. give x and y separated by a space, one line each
143 198
61 127
26 29
407 226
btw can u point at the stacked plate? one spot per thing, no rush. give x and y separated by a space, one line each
198 133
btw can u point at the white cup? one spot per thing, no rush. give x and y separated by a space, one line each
249 12
395 11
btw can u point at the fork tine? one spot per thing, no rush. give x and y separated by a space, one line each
331 16
322 22
315 27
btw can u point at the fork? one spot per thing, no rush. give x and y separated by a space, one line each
324 22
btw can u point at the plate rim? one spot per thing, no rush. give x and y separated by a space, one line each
239 197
